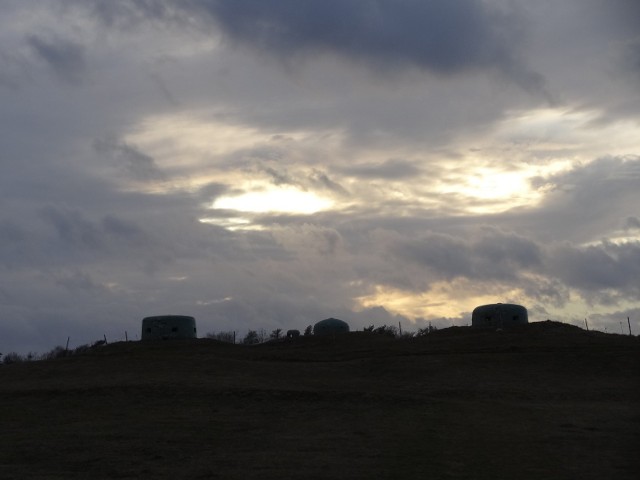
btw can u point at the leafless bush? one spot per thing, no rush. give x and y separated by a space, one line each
385 330
228 337
275 334
426 330
56 352
12 357
251 338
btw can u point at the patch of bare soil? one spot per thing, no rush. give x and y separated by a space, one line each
543 401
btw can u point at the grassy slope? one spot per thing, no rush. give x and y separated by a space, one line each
545 401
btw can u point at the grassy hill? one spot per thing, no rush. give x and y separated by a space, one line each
545 400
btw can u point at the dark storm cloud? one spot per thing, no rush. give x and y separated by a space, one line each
491 260
489 254
321 180
74 237
137 164
16 245
126 14
118 227
625 12
436 35
586 202
440 35
78 280
209 192
73 228
606 266
281 176
12 69
630 58
632 223
65 58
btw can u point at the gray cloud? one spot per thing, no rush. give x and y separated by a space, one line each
493 260
625 12
433 35
632 223
439 36
586 202
127 14
489 255
78 281
209 192
607 266
72 228
13 68
137 164
322 181
392 169
390 108
64 57
630 58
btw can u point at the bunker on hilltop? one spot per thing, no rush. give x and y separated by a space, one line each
163 327
293 333
499 315
330 326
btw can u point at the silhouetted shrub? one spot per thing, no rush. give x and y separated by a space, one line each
12 357
385 330
425 331
251 338
404 335
275 334
80 349
228 337
57 352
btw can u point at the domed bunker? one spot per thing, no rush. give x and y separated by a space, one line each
499 315
163 327
330 326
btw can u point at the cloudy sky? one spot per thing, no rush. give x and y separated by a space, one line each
270 163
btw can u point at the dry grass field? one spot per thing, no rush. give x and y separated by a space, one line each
542 401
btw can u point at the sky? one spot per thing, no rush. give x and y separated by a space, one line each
264 164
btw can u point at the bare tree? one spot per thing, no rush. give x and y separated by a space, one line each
275 334
228 337
251 338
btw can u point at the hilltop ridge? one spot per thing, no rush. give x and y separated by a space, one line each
358 405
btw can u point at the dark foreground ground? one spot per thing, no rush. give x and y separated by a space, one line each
546 401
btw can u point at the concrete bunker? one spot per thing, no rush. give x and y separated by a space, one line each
293 334
330 326
499 315
163 327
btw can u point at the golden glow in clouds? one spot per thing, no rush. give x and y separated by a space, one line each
277 200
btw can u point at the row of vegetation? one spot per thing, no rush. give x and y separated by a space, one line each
57 352
253 337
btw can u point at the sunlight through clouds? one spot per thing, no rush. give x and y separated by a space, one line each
440 300
284 200
558 134
191 139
